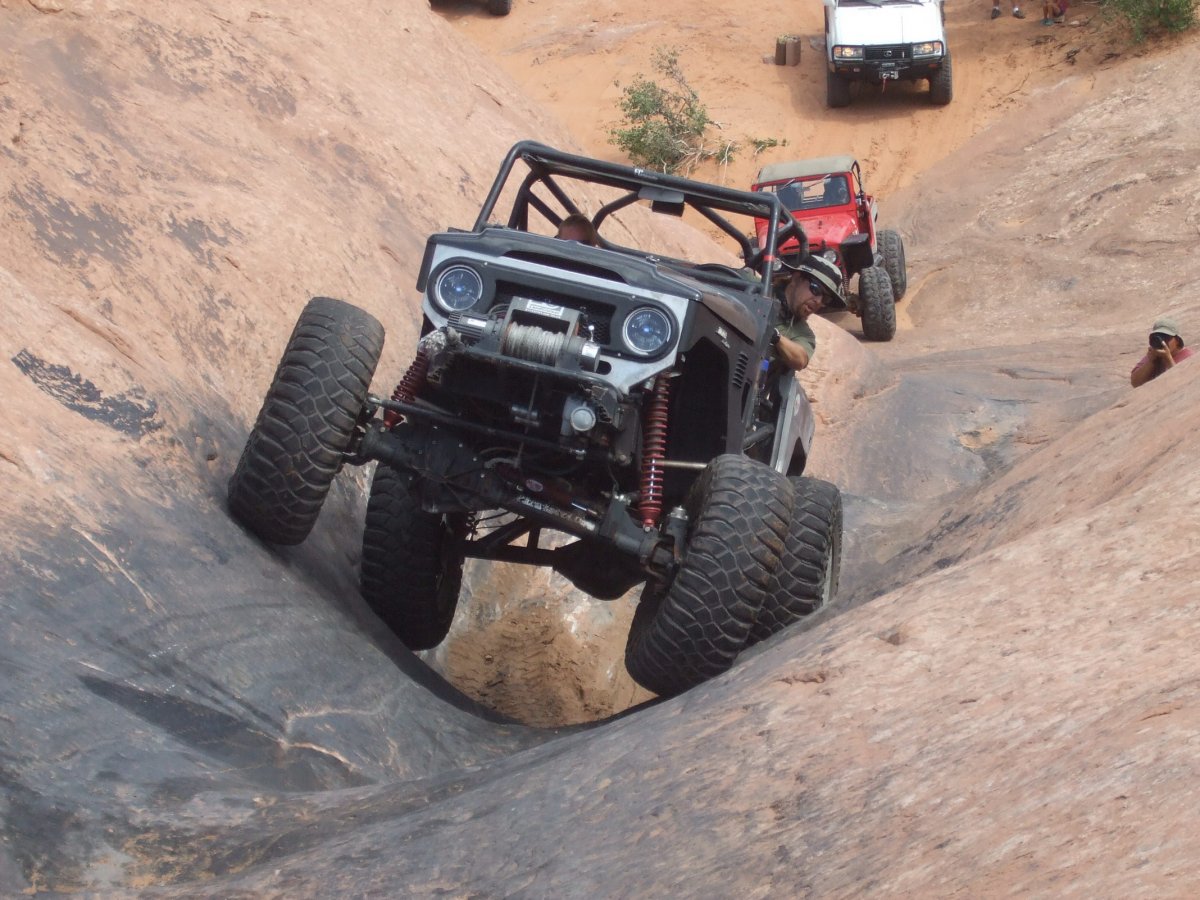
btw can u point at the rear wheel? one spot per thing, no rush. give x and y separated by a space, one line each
306 422
692 629
941 85
807 576
891 245
878 304
412 561
837 90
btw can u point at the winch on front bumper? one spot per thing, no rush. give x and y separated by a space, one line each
892 62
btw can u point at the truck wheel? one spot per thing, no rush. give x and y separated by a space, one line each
499 7
693 628
891 245
837 90
307 419
807 576
941 85
412 561
878 304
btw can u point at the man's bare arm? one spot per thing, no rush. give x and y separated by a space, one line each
791 354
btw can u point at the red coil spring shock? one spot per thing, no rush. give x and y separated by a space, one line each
654 451
406 390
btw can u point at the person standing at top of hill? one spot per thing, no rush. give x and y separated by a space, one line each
1165 352
1016 9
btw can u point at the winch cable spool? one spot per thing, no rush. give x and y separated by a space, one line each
532 344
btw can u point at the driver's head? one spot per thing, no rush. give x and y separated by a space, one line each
579 228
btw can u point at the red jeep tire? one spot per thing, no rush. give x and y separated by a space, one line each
877 303
891 246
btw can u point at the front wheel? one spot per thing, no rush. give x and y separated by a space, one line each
941 85
837 90
891 246
878 304
306 422
693 628
412 561
807 576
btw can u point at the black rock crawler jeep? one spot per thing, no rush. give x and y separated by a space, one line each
607 392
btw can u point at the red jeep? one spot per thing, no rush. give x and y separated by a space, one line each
827 197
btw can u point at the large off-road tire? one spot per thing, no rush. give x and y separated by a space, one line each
891 245
692 629
877 303
298 442
806 578
412 561
941 85
837 90
499 7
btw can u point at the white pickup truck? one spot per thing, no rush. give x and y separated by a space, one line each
884 40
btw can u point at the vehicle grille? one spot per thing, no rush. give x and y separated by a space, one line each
888 54
739 371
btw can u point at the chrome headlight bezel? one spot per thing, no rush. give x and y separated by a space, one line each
456 298
665 319
928 49
844 52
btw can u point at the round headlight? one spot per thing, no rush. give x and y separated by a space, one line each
647 330
458 288
830 255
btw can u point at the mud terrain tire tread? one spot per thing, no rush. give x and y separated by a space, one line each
878 304
412 561
694 629
941 85
307 419
891 245
837 90
807 575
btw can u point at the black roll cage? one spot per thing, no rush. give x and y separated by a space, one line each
668 194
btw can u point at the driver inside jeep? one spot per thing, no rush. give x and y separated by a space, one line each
813 282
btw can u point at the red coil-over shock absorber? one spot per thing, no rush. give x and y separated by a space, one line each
654 451
406 390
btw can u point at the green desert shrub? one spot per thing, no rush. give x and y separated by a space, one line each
1146 17
663 126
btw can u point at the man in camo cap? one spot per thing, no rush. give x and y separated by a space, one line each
814 281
